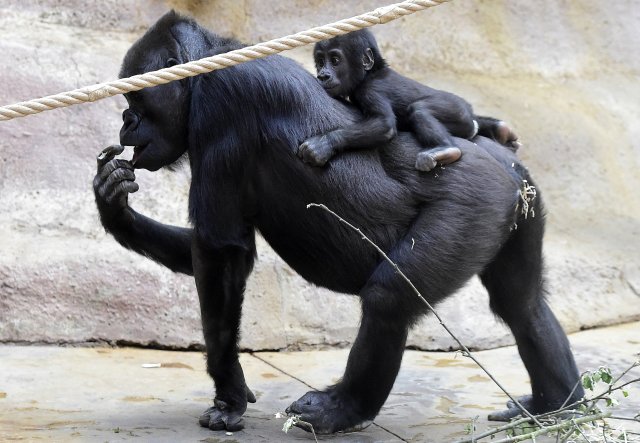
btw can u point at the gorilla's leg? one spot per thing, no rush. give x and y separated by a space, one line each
220 279
371 370
389 306
515 284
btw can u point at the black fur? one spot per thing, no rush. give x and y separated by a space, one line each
241 127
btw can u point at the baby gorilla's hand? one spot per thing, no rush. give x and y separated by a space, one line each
317 150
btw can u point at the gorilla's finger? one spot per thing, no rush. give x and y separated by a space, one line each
108 154
122 189
112 165
105 186
117 176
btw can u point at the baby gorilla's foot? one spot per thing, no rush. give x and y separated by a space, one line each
505 136
430 158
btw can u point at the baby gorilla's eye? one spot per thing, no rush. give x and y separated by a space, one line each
320 63
335 60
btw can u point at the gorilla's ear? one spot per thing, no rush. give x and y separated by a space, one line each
185 32
367 59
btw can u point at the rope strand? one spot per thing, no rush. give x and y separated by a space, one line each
100 91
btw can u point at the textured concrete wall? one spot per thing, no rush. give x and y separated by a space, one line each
565 74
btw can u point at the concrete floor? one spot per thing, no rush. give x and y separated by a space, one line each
101 394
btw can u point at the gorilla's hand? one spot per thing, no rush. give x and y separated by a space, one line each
112 184
317 150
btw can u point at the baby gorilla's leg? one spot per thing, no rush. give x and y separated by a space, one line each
433 135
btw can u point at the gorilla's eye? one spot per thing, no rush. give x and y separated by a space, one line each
335 60
320 63
172 62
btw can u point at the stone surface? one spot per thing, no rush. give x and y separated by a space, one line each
564 74
104 394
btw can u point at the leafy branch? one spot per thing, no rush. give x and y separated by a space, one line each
563 418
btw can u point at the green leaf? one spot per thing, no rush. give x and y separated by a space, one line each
605 375
625 393
587 382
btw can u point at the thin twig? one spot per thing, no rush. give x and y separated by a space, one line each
473 429
635 364
497 430
604 432
610 389
465 350
577 428
560 426
617 417
578 383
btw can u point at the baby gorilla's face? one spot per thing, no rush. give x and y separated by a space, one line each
336 73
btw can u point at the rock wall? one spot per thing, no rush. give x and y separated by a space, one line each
565 74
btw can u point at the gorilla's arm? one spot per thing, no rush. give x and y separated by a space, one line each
377 128
165 244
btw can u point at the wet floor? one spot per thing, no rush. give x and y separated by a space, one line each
50 393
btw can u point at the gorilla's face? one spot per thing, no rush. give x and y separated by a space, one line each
157 119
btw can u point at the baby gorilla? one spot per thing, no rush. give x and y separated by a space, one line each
351 67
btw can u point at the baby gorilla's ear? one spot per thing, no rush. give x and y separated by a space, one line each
367 59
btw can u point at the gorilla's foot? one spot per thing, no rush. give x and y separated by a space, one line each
513 410
222 416
328 412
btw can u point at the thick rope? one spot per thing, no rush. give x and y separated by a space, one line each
93 93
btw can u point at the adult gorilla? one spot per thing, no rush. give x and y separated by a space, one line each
240 128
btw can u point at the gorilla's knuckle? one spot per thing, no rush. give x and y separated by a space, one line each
131 187
103 189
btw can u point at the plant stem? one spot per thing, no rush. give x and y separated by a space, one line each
557 412
558 427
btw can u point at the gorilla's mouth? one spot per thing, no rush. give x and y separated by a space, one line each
137 152
332 89
329 86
